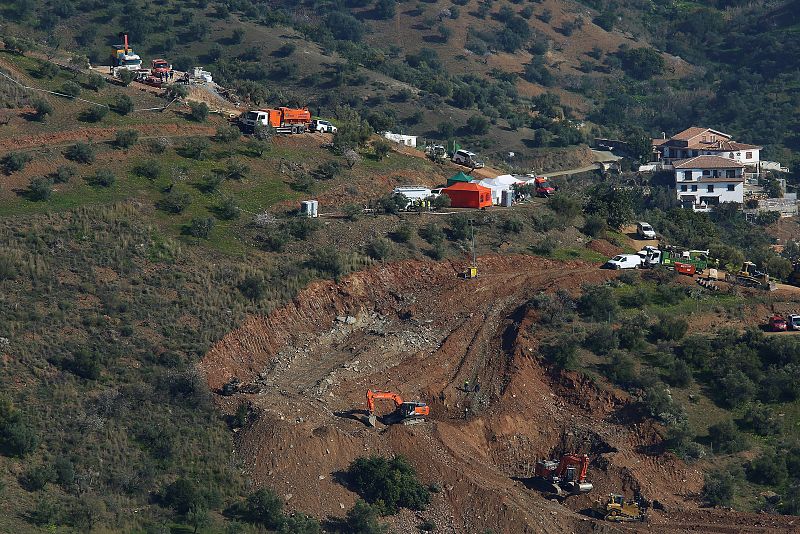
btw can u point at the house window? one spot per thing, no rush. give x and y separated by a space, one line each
685 188
706 173
710 188
748 155
694 188
730 174
687 175
684 153
731 187
694 153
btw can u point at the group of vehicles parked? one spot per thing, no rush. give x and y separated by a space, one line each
779 323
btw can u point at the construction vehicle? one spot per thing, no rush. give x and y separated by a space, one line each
406 412
749 276
123 57
159 67
436 153
565 477
616 508
777 324
542 187
284 120
671 256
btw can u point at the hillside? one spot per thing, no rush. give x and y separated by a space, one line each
181 352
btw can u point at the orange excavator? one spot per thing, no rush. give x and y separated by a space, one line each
566 477
407 412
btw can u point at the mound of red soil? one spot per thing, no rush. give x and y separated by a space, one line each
603 247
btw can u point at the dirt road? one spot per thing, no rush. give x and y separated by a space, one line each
415 328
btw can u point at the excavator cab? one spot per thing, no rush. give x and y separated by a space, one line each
565 477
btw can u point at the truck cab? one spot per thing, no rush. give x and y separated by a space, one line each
160 66
251 118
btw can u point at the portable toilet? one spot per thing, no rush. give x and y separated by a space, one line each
507 198
309 208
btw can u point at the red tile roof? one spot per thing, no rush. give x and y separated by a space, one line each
707 162
695 131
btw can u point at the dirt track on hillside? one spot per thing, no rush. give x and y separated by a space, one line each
417 329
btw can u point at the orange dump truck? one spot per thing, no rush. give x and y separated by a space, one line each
283 119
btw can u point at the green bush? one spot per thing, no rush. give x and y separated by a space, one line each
327 260
16 437
300 524
621 369
725 437
562 351
598 303
477 125
71 88
761 419
150 169
262 507
403 233
678 374
379 249
126 138
545 246
125 76
601 340
198 111
227 210
103 178
122 104
200 227
42 108
392 203
175 202
96 81
460 226
64 173
363 519
669 328
182 495
80 152
768 469
253 287
195 148
719 488
381 148
512 225
40 188
93 114
328 170
388 484
227 133
274 241
432 233
15 162
595 226
302 227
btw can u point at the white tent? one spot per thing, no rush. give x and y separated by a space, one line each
498 185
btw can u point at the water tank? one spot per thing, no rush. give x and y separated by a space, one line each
507 198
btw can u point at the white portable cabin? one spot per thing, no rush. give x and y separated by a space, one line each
408 140
309 208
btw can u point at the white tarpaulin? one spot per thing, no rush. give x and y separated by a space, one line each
498 185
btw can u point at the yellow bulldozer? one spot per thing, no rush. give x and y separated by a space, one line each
616 508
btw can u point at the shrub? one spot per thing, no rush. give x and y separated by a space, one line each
175 202
735 388
598 303
719 488
363 519
40 188
103 178
761 420
726 438
227 209
195 148
80 152
200 227
182 495
302 228
96 81
379 249
42 108
601 340
388 484
327 260
768 469
150 169
236 170
227 133
402 233
621 369
253 287
15 162
562 351
126 138
71 88
441 201
35 478
381 148
125 76
210 183
432 233
83 364
669 328
678 374
16 437
159 145
460 226
93 114
512 225
122 105
262 507
198 111
64 173
477 125
275 241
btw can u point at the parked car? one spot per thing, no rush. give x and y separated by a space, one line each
319 125
624 261
793 323
777 323
645 231
467 158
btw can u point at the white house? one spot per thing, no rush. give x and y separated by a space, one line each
695 141
705 181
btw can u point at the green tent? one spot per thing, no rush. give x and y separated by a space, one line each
459 178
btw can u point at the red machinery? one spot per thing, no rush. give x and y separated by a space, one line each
777 324
543 187
566 477
405 411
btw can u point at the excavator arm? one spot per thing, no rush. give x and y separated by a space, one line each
580 461
372 395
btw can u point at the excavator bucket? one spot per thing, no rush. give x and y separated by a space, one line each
372 420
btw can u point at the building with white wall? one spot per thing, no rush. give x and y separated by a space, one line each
703 182
694 142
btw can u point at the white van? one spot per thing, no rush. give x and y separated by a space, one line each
624 261
467 158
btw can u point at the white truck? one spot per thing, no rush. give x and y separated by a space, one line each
416 194
624 261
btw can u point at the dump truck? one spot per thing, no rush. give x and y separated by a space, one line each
123 57
670 256
616 508
284 120
160 66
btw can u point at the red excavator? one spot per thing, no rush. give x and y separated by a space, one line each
407 412
567 477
